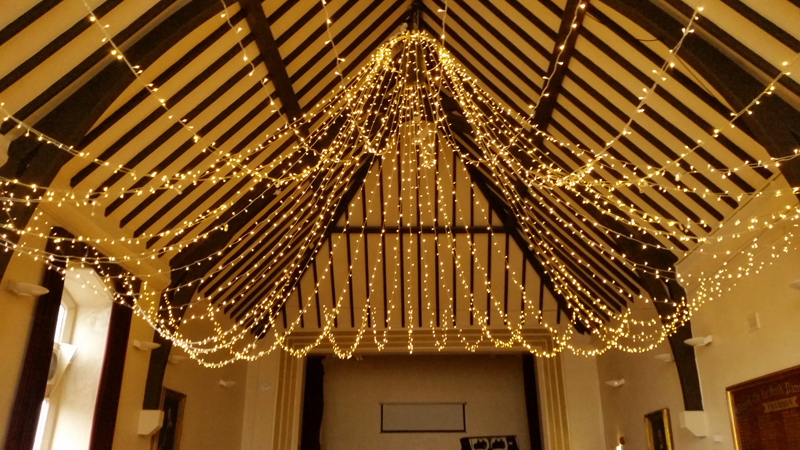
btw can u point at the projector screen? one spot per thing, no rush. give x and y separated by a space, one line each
423 417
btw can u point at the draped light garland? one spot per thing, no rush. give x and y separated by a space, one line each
387 116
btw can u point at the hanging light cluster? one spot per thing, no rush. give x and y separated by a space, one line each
410 120
392 117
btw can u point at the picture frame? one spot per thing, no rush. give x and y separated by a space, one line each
169 435
659 430
765 411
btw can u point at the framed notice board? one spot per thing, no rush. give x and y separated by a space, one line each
765 412
423 417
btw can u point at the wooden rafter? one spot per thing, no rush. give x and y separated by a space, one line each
460 125
497 206
568 32
663 291
260 28
346 193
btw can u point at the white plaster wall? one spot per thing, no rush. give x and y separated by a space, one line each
491 387
650 385
261 399
584 410
736 355
16 314
213 414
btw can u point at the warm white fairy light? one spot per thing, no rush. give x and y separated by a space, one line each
392 103
328 22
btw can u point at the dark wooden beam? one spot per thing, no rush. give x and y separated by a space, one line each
559 60
80 69
460 125
346 195
26 19
499 208
111 150
737 47
658 259
260 29
256 206
313 403
200 252
532 407
582 249
665 291
53 47
110 386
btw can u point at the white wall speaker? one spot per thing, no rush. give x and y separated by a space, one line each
699 341
27 289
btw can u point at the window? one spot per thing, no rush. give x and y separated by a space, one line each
58 338
65 418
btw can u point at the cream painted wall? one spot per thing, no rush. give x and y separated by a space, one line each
261 399
583 404
213 414
16 314
491 386
736 355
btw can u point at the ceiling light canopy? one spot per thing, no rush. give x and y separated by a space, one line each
398 136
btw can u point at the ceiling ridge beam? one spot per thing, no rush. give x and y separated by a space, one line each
571 21
276 69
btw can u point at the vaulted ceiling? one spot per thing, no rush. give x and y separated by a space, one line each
172 112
